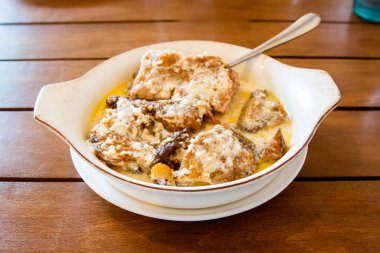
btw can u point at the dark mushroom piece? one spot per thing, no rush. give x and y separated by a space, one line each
168 148
111 101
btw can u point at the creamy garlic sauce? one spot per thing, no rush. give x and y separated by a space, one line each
238 102
260 137
139 176
100 108
231 117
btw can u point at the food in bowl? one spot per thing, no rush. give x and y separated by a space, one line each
189 121
307 94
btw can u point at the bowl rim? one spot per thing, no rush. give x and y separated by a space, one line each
230 184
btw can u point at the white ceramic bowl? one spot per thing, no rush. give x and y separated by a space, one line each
308 96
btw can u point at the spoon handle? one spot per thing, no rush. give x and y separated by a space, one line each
303 25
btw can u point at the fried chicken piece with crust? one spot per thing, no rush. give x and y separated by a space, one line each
176 115
211 80
164 75
260 111
274 149
216 156
159 74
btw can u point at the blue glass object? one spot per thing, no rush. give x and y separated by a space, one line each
368 10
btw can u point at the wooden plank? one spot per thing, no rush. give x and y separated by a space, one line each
306 217
105 40
358 80
21 80
100 10
30 151
346 145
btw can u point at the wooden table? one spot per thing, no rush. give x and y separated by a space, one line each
333 205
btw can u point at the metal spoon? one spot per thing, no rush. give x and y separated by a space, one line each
303 25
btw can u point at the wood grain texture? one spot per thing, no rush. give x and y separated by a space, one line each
30 150
306 217
358 80
43 41
21 81
346 145
27 11
73 41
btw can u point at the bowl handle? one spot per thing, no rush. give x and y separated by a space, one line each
55 108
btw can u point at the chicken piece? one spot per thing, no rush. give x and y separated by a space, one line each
216 156
273 150
122 153
176 115
211 80
128 118
260 111
162 174
125 138
170 150
159 74
168 74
